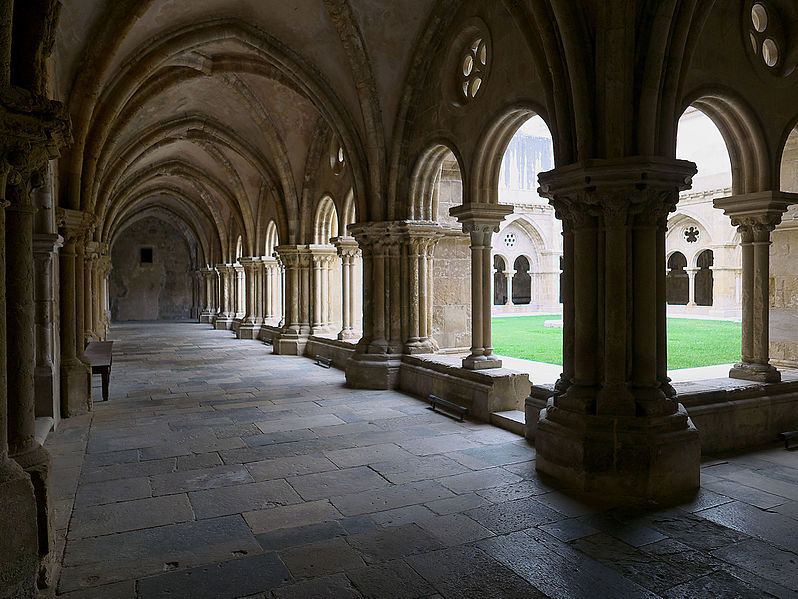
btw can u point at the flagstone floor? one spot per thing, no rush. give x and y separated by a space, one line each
219 470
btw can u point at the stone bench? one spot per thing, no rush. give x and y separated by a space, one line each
99 354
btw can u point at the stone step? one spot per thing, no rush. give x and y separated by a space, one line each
511 420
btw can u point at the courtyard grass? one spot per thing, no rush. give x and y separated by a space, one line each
691 343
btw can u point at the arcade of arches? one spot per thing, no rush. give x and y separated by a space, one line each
325 176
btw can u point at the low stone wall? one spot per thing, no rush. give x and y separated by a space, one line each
338 351
729 414
481 391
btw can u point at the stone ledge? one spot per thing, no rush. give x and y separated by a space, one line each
730 414
339 351
481 391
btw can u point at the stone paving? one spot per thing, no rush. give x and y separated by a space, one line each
219 470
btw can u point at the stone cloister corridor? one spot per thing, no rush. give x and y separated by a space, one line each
220 470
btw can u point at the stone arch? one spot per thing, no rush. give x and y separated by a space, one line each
677 281
500 297
325 222
483 182
788 159
272 239
425 180
522 281
348 214
745 139
703 282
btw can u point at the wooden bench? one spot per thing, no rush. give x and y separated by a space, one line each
324 362
99 354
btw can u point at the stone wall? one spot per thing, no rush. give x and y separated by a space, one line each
451 308
161 290
784 293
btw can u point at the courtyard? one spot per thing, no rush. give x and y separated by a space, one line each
692 343
220 470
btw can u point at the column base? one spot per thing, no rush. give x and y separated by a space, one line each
420 347
223 323
348 335
619 458
481 362
19 544
37 464
206 317
248 331
75 388
290 344
373 371
761 373
46 391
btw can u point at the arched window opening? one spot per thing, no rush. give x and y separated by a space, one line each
326 224
239 247
677 285
499 281
703 278
522 281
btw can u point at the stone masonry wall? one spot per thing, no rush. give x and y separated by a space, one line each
161 290
784 295
451 311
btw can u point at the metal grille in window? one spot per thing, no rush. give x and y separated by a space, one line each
509 240
691 234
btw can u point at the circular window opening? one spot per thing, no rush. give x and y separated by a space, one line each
509 240
759 17
473 68
770 52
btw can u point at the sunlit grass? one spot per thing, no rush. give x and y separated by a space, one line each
691 343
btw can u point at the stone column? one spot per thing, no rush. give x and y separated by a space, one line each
347 249
375 363
611 429
224 318
98 306
419 240
207 279
755 215
321 256
296 325
89 260
239 287
75 374
104 301
691 285
18 525
481 221
21 358
270 292
250 326
47 389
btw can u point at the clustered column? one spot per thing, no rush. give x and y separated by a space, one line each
756 215
224 318
611 427
420 239
322 257
20 353
209 276
250 324
481 221
75 373
297 290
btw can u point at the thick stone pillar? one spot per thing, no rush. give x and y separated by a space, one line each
47 388
756 215
321 257
18 525
21 360
209 310
250 325
611 429
297 290
481 221
418 244
224 319
75 374
89 261
375 363
348 250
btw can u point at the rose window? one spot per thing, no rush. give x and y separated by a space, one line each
473 68
509 240
691 234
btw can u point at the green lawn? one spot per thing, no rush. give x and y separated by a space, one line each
691 342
